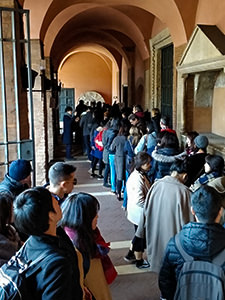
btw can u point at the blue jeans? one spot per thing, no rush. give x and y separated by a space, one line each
68 151
125 190
112 172
106 174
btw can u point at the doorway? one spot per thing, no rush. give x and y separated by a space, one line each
167 82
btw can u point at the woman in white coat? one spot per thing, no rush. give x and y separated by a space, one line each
137 189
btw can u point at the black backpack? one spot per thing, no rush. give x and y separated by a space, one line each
198 279
13 274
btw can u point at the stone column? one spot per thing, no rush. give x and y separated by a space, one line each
49 106
40 116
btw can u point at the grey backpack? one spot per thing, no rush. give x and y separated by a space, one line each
198 279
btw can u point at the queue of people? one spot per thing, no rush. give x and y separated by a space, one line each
166 192
62 247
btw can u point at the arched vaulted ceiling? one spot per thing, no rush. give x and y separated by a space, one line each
111 25
94 48
115 42
120 24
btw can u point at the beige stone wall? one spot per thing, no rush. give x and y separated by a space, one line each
87 72
218 109
50 134
178 52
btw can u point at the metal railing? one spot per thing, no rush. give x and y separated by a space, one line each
23 42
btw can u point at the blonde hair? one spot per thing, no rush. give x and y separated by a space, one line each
136 134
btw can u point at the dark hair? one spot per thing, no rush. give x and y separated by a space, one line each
124 127
165 120
150 127
6 204
180 166
192 135
31 211
206 203
133 117
169 140
78 212
138 107
59 172
68 108
140 159
216 163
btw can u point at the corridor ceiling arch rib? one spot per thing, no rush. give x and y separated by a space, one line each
108 39
166 10
84 38
101 19
96 49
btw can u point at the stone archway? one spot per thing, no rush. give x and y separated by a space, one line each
91 96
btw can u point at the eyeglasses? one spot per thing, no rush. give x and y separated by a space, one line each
74 181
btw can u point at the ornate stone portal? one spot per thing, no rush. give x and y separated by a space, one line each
91 96
201 87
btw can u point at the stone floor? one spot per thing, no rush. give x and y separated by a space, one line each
131 283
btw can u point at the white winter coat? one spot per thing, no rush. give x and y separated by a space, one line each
137 189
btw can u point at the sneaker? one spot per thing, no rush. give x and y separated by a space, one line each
93 175
107 185
142 264
130 257
119 198
100 177
113 192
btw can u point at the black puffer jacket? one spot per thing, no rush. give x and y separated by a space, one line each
58 277
161 166
11 185
202 241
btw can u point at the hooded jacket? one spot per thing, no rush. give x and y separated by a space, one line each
202 241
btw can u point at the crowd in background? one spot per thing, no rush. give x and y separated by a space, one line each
165 188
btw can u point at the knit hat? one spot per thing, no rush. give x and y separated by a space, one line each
19 169
201 141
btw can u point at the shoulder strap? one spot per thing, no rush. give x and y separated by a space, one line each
186 256
219 259
34 265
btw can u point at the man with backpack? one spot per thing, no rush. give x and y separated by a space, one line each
194 262
46 267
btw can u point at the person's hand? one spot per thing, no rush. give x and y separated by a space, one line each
88 295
